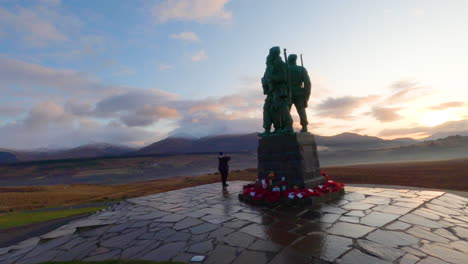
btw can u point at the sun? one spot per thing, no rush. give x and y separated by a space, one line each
434 118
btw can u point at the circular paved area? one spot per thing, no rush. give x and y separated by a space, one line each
366 225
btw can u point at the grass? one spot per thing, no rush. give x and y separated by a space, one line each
25 218
115 262
35 197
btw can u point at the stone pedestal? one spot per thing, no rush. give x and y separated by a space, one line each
292 156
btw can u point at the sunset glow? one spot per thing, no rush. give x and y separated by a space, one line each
434 118
76 72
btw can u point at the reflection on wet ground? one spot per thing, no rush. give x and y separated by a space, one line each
366 225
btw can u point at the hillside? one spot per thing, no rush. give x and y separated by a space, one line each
249 143
85 151
214 144
356 141
130 168
452 147
7 157
346 148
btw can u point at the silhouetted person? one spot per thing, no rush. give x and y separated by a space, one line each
223 167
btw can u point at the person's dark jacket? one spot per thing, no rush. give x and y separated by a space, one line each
223 163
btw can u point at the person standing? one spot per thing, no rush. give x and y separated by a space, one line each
223 167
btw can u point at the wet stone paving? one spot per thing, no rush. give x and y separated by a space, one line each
366 225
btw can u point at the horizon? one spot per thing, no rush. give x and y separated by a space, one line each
133 73
91 144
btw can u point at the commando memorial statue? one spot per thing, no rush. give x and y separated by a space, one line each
288 164
300 86
278 101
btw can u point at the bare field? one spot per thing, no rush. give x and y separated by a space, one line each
30 197
450 174
117 170
446 174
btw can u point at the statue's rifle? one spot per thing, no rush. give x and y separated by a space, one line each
288 81
302 73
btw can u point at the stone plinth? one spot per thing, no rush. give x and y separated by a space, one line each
292 156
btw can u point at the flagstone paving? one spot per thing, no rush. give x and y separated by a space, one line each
366 225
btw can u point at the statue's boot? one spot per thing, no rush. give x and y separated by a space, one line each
266 133
286 131
304 129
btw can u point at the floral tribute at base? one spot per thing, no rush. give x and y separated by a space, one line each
271 192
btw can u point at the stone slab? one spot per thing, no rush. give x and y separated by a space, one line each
362 226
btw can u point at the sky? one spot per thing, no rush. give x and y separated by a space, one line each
77 72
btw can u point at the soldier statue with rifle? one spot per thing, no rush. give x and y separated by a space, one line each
300 85
275 86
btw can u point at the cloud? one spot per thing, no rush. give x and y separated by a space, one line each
447 105
207 124
445 129
131 101
78 108
127 117
200 56
404 91
202 11
124 71
34 78
358 130
47 114
49 124
148 115
385 114
343 107
187 36
41 25
233 114
70 108
83 47
418 12
164 67
9 111
36 30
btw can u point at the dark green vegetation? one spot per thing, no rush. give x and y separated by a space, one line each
25 218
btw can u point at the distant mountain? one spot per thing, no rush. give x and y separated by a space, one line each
345 148
225 143
450 141
249 143
440 135
451 147
85 151
356 141
96 150
7 157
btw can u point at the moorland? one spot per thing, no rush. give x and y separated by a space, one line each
446 174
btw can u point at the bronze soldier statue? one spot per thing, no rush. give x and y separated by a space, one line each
276 108
268 108
299 82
